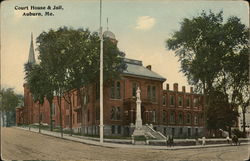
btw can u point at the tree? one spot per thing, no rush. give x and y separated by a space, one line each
211 53
71 58
37 86
9 102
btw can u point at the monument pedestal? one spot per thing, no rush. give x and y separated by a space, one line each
138 123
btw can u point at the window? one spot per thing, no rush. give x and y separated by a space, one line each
173 131
164 100
180 118
189 131
196 120
164 116
196 131
115 113
172 117
118 90
119 129
188 118
195 102
171 100
73 118
115 90
152 93
180 98
134 88
113 129
188 101
181 131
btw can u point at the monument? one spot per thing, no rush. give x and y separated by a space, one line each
138 123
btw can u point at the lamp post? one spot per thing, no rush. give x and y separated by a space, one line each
101 76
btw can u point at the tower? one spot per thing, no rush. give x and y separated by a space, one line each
31 58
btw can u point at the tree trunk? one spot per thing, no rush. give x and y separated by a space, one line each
70 118
60 113
244 122
50 106
68 100
82 109
39 118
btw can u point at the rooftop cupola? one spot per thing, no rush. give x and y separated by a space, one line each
109 34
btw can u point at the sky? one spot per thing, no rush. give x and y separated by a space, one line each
141 28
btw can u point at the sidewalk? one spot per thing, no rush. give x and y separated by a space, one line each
95 141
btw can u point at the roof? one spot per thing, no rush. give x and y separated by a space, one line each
135 68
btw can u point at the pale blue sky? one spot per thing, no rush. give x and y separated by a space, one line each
141 29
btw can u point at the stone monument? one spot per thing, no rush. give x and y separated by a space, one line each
138 123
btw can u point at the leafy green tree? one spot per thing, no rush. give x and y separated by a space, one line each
212 53
9 102
71 58
37 86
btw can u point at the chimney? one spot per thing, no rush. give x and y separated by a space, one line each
167 86
149 67
176 87
183 89
191 89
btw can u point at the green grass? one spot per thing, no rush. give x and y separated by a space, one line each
57 129
140 138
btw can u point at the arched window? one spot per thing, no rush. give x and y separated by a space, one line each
115 113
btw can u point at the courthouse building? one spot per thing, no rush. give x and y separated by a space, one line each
170 111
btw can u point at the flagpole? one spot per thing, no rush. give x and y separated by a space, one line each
101 76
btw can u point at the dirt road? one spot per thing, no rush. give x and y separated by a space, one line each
18 144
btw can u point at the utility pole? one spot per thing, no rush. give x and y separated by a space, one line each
101 76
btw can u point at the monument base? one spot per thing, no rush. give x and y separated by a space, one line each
138 132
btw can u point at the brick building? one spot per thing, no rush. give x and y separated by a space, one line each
171 112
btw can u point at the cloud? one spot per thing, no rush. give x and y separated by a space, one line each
145 23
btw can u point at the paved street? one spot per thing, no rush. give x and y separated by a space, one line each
19 144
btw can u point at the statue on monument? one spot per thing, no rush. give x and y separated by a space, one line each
138 93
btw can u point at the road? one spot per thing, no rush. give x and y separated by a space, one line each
18 144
